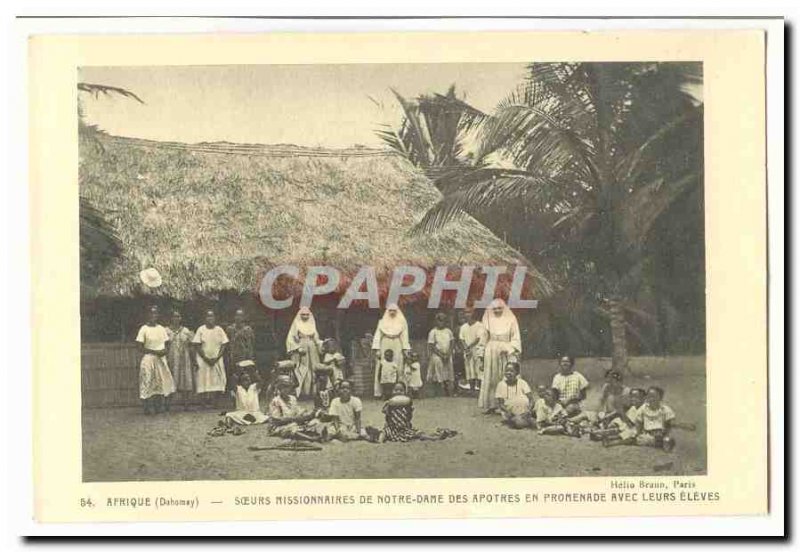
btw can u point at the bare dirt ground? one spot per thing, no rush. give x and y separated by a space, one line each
125 445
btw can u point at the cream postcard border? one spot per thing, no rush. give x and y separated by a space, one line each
736 260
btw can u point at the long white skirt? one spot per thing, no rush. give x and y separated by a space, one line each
210 378
471 368
154 377
238 416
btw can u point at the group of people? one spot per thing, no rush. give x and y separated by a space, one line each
178 361
623 416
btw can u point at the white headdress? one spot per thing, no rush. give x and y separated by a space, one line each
393 325
499 324
305 327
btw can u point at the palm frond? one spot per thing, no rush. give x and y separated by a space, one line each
644 206
414 131
98 89
476 196
629 167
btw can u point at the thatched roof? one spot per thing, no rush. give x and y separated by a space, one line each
213 217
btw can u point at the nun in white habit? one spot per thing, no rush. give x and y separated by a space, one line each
303 345
391 333
501 333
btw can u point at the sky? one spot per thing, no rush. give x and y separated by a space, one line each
308 105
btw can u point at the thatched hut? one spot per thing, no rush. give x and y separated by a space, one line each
212 217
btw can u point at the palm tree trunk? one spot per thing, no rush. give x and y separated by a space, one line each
619 343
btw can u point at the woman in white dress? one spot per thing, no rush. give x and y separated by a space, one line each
155 379
502 345
209 344
303 345
391 333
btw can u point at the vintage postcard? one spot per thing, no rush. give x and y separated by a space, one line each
409 275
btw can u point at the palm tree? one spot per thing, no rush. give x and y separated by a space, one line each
432 132
595 153
99 243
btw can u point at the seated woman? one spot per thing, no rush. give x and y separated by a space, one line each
514 398
288 420
398 412
248 410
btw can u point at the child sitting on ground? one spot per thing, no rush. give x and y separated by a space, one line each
653 423
345 414
389 373
288 420
549 413
413 374
612 388
614 424
635 401
514 398
248 410
572 387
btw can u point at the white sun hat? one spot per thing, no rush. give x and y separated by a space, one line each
150 277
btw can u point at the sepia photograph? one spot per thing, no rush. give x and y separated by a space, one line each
392 271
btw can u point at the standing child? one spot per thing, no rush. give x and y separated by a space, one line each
470 335
155 379
440 347
389 373
179 357
210 342
333 357
241 347
412 373
323 386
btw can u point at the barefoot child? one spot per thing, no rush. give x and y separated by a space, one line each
288 420
412 374
440 347
345 413
614 425
470 337
572 387
549 413
333 357
248 409
514 398
612 388
323 386
155 379
654 421
389 373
